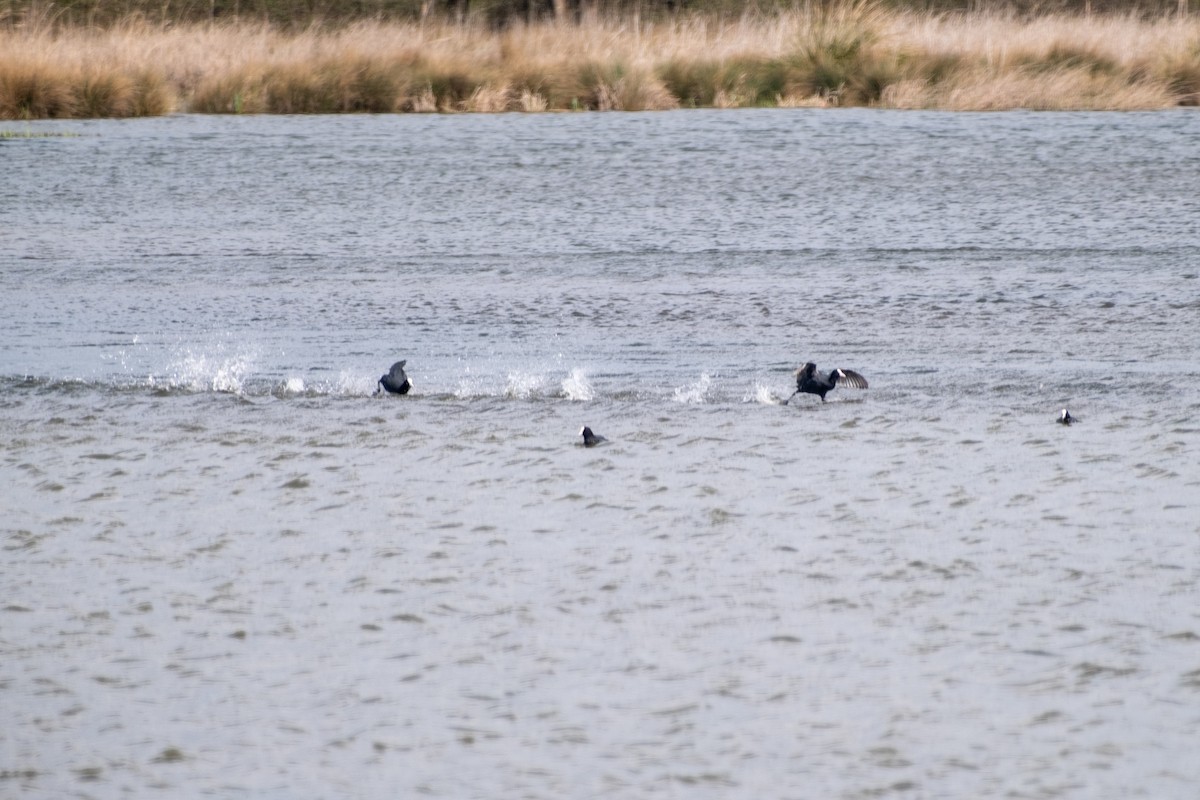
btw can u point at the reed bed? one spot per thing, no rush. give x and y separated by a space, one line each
855 54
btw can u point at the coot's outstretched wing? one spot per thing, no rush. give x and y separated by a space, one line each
847 377
395 381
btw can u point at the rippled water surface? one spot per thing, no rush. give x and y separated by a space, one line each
229 570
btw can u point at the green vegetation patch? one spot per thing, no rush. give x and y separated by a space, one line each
31 134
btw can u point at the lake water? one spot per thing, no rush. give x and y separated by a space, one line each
229 570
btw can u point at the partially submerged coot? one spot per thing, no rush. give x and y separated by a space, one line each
590 439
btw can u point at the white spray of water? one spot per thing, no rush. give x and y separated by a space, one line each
201 372
762 394
696 393
467 388
293 385
524 385
577 387
354 384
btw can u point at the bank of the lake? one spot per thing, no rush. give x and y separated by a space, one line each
854 55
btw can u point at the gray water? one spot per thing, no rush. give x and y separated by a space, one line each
229 570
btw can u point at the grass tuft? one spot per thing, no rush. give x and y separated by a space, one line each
837 56
1179 73
32 89
103 93
614 86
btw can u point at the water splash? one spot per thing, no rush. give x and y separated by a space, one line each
577 387
697 393
354 384
762 394
524 385
201 372
292 385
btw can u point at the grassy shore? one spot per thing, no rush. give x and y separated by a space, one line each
854 55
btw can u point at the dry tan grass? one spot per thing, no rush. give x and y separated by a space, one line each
854 54
1063 89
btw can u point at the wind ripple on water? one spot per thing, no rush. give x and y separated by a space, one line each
221 552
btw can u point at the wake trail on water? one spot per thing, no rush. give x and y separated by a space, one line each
199 373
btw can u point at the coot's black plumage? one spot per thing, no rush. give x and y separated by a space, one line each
809 381
395 381
1065 418
590 439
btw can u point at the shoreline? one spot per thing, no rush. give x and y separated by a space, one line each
854 55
